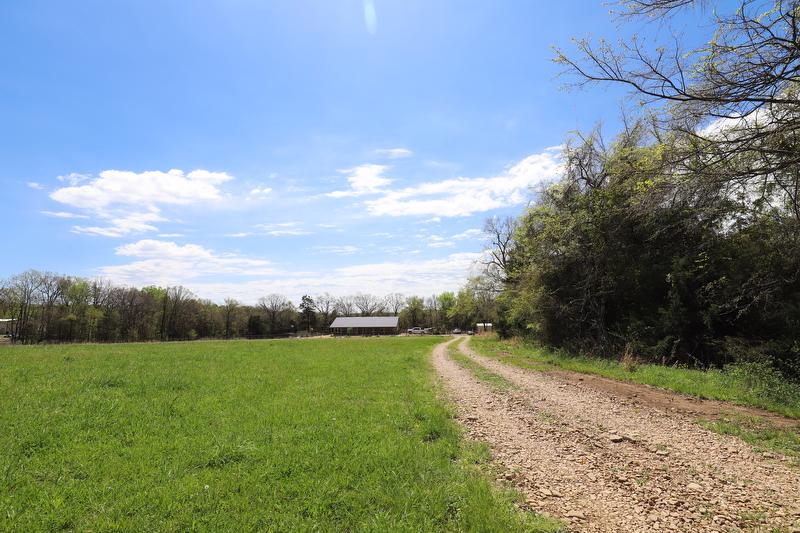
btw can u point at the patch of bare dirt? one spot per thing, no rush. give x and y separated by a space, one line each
607 463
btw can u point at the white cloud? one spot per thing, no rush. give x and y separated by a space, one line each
437 241
239 235
468 234
120 226
129 202
35 185
73 178
62 214
394 153
168 263
466 196
259 193
170 235
282 229
370 17
363 179
149 188
346 249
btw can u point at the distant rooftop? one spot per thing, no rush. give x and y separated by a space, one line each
365 322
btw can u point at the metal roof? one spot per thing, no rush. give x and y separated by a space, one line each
365 322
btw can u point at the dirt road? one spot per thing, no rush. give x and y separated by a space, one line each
606 464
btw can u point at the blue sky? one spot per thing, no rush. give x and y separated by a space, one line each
247 147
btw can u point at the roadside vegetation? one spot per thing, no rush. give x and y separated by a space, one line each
676 240
743 384
326 435
758 432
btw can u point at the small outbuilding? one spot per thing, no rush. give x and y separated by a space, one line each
6 324
365 325
483 327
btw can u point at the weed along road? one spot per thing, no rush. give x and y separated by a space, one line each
609 464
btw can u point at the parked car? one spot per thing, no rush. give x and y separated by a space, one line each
470 332
456 331
416 331
427 331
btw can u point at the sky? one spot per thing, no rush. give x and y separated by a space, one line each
241 148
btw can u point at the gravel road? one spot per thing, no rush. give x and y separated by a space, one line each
603 463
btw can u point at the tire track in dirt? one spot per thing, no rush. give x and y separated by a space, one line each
606 464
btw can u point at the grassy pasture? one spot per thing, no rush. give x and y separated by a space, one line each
322 435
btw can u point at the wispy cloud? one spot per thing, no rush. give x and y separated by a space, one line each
62 214
168 263
394 153
370 17
259 193
341 250
119 226
282 229
198 268
35 185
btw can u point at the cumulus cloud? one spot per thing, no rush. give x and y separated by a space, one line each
129 202
394 153
149 188
363 179
466 196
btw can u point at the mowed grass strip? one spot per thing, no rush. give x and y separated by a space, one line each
735 384
322 435
495 381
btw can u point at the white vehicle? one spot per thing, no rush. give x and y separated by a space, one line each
416 331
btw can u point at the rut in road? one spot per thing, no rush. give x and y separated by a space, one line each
605 464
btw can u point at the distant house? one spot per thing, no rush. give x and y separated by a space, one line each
5 325
365 325
483 327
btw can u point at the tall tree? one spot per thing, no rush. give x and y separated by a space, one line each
308 311
273 305
368 304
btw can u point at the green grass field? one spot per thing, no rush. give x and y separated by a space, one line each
300 435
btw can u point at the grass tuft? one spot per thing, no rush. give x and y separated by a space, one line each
495 381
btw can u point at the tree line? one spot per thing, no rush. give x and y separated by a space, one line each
48 307
679 241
